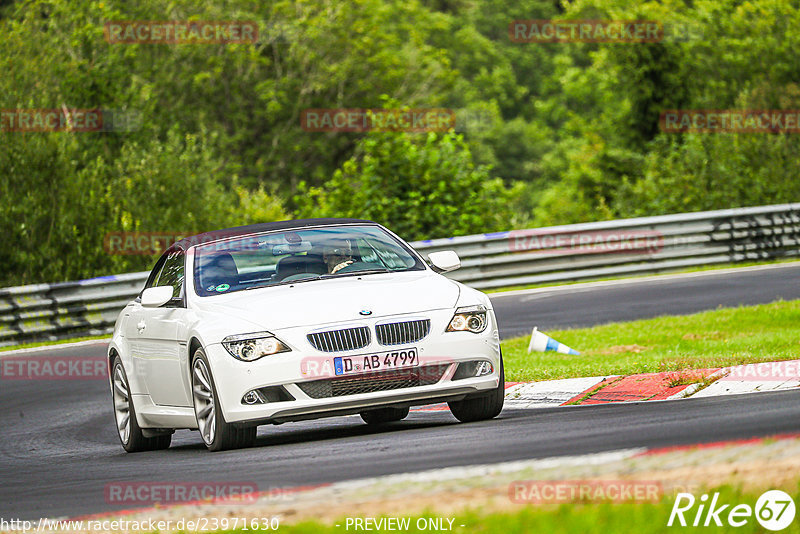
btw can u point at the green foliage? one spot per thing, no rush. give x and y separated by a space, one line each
704 340
572 128
616 163
56 215
426 188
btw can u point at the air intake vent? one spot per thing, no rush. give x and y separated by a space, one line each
400 333
372 382
340 340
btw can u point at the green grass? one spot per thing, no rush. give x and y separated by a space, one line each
728 336
604 517
702 268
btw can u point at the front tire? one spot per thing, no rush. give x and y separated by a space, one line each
384 415
128 430
482 406
217 434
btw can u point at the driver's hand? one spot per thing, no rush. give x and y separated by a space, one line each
341 266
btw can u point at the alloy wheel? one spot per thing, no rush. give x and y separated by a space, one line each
122 404
203 395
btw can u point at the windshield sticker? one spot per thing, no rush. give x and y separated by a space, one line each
222 287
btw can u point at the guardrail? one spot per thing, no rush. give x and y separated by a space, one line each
519 257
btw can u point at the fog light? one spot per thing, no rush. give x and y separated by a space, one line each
252 397
472 369
266 395
483 369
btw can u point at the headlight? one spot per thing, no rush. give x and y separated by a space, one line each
249 347
469 319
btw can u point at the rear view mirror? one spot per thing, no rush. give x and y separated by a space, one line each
153 297
291 248
445 260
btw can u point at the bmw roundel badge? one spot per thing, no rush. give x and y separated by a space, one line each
365 312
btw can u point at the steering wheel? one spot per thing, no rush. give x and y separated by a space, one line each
359 266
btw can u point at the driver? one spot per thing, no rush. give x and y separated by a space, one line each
338 256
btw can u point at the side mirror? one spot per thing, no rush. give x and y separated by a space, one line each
153 297
445 261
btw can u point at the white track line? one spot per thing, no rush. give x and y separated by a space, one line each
754 378
469 471
548 393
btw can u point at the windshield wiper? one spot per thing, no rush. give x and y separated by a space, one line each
273 284
259 286
320 277
356 273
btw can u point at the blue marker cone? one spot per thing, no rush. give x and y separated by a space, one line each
542 343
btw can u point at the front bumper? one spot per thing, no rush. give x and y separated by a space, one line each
439 349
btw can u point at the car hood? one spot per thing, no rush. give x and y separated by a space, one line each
320 302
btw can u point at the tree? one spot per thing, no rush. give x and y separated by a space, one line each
422 188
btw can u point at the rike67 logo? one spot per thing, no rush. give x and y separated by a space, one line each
774 510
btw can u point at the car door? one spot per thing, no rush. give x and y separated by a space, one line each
159 349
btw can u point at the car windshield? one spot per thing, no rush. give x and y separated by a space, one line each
298 256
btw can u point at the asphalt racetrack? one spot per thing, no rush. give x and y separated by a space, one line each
59 448
627 300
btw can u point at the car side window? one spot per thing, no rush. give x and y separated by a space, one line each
153 277
172 273
367 253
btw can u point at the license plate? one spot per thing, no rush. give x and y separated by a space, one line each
381 361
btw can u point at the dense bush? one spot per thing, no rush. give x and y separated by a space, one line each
551 133
422 188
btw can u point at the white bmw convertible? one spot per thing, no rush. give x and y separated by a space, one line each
296 320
